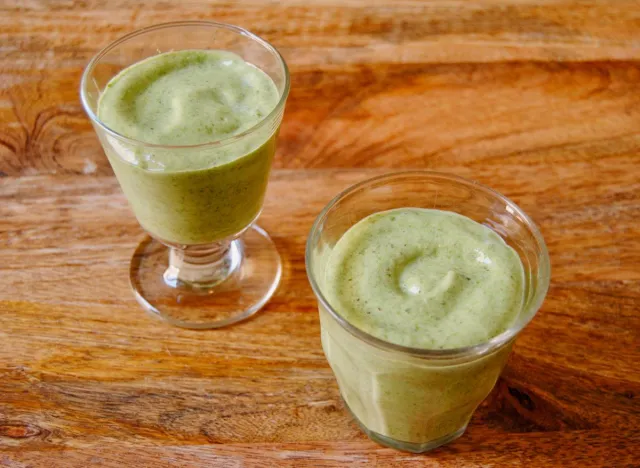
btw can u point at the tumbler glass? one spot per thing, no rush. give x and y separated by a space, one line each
408 398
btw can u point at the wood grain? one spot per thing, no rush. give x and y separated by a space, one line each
401 86
575 449
386 115
538 99
78 351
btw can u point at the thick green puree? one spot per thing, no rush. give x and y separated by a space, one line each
425 279
171 102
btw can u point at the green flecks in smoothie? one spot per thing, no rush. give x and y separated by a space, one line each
425 278
188 97
182 193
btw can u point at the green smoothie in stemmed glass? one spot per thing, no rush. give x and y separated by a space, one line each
188 98
188 114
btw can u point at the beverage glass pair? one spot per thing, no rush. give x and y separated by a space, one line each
208 265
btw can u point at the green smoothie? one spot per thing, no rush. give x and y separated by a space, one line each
425 279
183 190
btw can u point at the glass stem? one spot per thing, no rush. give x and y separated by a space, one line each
202 266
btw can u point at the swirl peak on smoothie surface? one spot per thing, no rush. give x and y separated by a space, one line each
425 278
187 97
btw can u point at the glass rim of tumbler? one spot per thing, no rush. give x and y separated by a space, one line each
172 24
528 311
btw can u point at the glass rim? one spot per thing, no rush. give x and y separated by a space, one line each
221 142
530 308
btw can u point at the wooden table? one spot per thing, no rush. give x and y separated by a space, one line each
539 99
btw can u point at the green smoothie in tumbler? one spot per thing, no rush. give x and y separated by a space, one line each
181 192
425 279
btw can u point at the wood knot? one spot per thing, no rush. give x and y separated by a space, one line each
21 431
523 399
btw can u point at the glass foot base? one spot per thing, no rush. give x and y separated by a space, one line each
412 447
250 284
